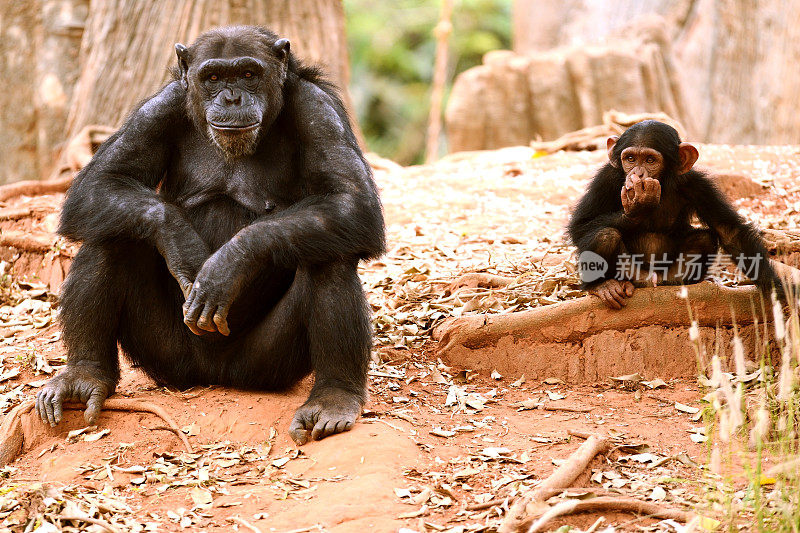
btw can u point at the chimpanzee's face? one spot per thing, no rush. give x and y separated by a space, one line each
651 149
234 102
235 89
642 161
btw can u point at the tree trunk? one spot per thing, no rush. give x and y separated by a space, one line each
39 45
127 49
17 114
58 44
73 63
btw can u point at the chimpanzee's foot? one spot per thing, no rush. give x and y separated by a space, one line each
614 293
326 412
84 384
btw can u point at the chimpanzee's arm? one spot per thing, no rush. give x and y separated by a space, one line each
600 208
340 219
115 196
737 237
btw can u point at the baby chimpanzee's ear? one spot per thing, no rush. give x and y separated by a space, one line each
610 145
689 155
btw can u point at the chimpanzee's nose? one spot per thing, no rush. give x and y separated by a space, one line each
232 97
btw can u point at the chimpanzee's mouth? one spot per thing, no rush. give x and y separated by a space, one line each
233 128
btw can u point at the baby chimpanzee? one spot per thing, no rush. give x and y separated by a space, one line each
634 224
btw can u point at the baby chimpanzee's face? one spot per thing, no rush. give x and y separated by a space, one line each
642 162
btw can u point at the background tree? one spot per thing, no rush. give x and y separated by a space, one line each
737 61
80 62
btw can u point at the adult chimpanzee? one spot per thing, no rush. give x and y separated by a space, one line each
240 188
634 224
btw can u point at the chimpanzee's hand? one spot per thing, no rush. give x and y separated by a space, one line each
613 293
214 289
84 384
183 250
640 195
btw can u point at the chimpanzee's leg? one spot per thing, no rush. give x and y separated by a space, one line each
90 303
321 324
119 292
612 288
695 251
340 341
151 330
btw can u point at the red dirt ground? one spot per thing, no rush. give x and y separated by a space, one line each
348 482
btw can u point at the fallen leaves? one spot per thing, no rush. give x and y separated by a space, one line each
476 216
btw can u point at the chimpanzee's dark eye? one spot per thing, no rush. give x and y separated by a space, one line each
630 158
650 159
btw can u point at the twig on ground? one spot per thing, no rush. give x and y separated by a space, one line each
551 407
244 523
486 505
94 521
596 524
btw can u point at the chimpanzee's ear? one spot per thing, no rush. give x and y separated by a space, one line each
281 49
688 154
610 145
183 63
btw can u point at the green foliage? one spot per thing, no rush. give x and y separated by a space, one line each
392 51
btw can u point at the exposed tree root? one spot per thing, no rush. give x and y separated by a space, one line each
27 242
563 476
133 405
12 439
607 504
34 188
577 319
15 213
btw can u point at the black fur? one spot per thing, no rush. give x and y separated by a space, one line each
274 237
